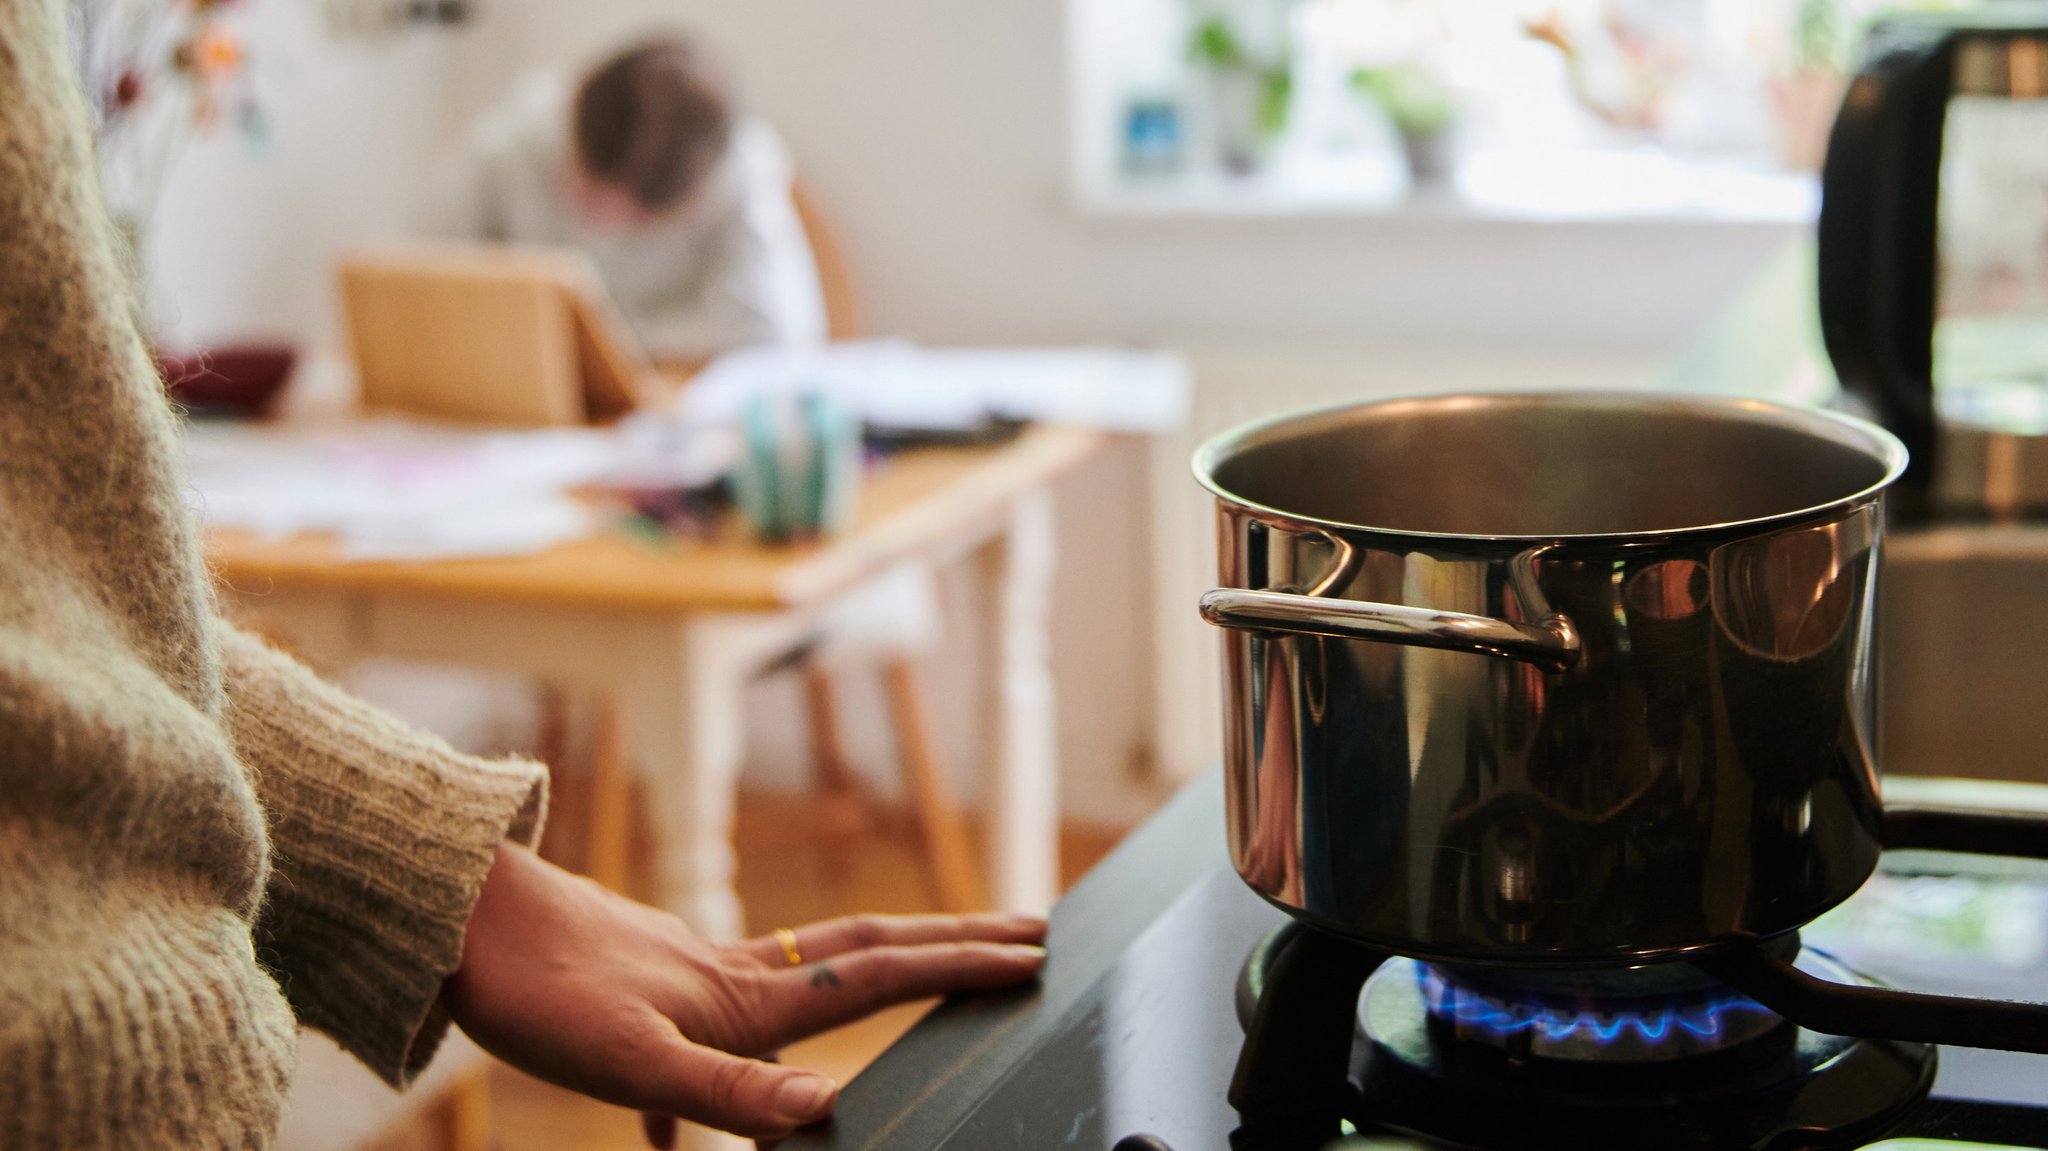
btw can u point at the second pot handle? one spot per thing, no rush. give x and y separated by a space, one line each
1881 1012
1552 645
1878 258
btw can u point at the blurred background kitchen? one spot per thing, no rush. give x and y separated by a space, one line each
1150 219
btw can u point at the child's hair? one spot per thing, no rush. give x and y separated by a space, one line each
653 121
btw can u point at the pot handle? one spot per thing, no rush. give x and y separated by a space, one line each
1552 645
1881 1012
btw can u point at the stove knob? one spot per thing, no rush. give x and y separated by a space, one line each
1141 1143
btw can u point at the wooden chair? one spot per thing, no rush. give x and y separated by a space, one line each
949 859
847 806
835 278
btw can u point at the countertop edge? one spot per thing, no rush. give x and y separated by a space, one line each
925 1085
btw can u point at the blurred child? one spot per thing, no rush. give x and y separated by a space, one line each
681 200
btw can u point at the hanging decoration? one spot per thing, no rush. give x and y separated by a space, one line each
159 74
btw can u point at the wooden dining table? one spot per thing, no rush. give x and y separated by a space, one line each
675 628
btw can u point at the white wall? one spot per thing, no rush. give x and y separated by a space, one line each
935 132
242 241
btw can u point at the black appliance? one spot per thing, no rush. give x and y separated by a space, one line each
1181 1011
1933 253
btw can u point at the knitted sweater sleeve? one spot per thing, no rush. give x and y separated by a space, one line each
380 839
167 783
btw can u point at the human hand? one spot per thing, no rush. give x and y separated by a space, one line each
592 991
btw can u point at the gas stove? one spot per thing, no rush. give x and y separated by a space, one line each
1180 1012
1665 1057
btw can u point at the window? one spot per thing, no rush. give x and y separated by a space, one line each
1528 108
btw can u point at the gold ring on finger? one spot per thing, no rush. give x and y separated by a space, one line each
787 939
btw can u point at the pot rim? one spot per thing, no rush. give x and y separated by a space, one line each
1836 427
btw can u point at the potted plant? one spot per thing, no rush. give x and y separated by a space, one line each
1421 111
1251 96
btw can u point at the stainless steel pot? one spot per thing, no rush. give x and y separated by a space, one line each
1551 679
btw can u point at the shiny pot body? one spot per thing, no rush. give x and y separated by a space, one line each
1572 679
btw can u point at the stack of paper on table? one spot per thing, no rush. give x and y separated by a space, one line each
900 385
388 488
392 489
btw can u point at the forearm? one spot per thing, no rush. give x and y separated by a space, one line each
759 285
700 331
382 837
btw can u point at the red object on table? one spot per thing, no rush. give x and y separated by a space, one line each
231 380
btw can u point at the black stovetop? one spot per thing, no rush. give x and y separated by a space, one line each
1135 1030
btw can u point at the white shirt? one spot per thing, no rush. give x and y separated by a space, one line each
731 268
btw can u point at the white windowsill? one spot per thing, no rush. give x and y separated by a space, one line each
1586 186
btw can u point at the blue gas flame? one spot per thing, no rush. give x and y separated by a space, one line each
1697 1017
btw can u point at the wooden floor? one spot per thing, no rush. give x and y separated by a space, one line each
785 877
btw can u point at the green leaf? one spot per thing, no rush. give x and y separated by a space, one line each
1410 97
1276 100
1214 43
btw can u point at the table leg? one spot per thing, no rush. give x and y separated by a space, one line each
324 629
684 699
1024 784
608 834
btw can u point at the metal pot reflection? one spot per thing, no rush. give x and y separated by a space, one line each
1550 678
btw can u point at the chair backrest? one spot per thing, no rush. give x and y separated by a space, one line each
835 278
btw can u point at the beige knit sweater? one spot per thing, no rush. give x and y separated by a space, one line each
201 845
